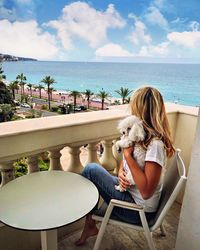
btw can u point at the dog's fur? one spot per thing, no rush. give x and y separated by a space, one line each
132 131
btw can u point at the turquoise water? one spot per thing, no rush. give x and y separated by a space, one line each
177 82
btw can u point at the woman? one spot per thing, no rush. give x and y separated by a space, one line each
147 104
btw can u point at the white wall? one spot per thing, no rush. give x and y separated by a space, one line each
188 237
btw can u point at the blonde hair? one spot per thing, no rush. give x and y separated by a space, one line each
148 105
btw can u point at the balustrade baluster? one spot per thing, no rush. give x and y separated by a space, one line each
54 156
107 159
117 156
92 153
74 161
7 172
32 162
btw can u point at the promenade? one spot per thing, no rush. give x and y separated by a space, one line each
65 98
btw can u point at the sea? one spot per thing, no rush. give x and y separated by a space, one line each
178 83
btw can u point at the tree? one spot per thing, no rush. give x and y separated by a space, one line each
2 76
88 94
21 80
51 90
103 95
30 85
124 93
6 112
40 87
49 81
5 95
75 94
13 86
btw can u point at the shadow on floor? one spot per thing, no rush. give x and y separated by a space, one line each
121 238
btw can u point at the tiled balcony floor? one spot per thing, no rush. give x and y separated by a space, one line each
121 238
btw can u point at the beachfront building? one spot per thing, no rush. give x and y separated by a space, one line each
64 136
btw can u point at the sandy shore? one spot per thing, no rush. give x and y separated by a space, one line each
64 97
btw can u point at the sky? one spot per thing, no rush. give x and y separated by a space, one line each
101 30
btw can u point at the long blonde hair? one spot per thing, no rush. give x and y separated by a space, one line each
148 105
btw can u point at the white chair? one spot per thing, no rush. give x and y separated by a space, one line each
175 178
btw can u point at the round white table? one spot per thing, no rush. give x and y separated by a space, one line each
45 201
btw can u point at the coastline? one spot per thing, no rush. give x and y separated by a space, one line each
177 83
63 97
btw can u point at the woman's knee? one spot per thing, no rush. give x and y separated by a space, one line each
90 170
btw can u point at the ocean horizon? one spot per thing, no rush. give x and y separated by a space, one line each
178 83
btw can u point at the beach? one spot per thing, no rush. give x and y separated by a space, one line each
64 98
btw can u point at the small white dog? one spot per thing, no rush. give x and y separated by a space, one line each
132 131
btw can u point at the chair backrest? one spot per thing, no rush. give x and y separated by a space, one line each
174 179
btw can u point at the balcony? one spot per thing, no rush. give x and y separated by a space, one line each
64 137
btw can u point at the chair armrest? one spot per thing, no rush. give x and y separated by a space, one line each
125 204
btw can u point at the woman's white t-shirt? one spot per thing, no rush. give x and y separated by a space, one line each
156 153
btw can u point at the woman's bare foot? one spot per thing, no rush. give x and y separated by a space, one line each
87 232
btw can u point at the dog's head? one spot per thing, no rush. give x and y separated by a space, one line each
125 125
132 127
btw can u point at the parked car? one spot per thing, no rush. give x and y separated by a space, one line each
25 105
77 108
80 108
17 103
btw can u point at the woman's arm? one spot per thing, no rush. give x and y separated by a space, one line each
146 180
123 182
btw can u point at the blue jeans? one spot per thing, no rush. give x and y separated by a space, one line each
105 184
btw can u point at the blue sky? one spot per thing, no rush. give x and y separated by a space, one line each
115 30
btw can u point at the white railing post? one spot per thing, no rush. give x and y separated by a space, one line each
32 162
117 156
92 153
107 159
74 161
54 156
7 172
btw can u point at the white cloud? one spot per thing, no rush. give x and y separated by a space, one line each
194 25
112 50
155 17
188 39
80 21
159 50
138 35
27 39
159 3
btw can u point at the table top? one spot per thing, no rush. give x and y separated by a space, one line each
46 200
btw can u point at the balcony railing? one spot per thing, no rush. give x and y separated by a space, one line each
30 138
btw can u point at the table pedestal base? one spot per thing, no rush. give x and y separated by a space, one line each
49 240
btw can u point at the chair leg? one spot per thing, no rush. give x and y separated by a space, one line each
163 231
147 232
103 227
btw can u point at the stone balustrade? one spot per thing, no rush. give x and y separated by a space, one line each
30 138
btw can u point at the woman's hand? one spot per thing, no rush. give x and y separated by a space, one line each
128 151
123 182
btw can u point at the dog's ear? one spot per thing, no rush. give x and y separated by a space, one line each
137 132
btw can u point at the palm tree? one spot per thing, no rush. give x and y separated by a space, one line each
21 80
74 94
13 86
51 90
30 85
48 80
88 94
124 93
2 76
5 95
103 95
40 87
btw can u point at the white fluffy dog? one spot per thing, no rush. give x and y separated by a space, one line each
132 131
